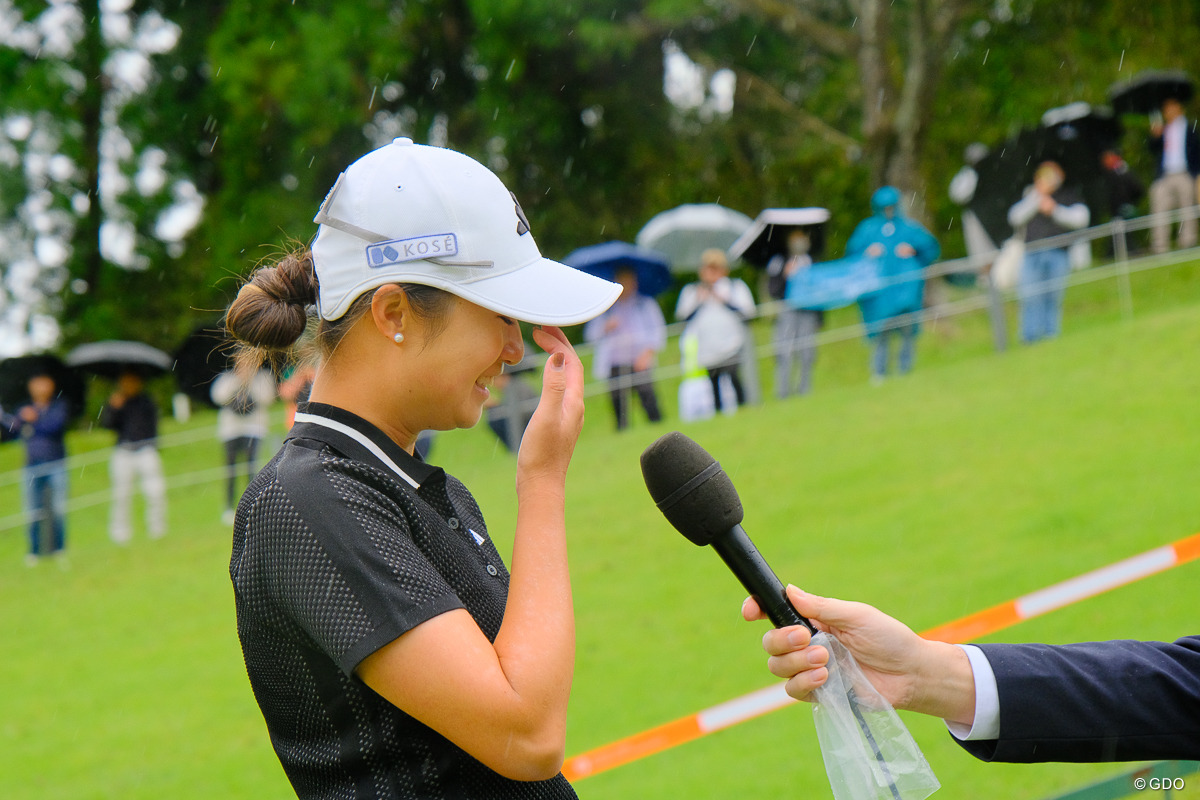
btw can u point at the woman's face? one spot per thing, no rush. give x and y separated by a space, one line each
455 368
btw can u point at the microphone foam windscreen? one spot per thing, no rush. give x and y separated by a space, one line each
690 488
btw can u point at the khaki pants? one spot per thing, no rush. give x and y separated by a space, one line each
124 467
1166 194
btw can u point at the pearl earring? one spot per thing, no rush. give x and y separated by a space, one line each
398 338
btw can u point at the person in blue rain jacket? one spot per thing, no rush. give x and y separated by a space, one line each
903 248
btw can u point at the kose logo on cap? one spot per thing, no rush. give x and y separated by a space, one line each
399 250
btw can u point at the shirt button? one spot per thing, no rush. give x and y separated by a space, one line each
453 523
492 570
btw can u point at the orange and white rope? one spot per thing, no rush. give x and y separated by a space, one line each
965 629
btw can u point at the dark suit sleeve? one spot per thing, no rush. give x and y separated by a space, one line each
1100 701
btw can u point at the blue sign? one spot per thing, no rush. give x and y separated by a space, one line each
833 284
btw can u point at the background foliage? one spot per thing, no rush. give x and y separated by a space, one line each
262 104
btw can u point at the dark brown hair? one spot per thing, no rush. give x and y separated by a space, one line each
271 311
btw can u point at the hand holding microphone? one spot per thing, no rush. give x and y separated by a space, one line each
869 754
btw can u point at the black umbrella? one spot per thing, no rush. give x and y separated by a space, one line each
113 357
767 236
1145 92
203 355
1074 136
15 373
1082 125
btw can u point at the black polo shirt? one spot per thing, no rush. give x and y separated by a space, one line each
341 543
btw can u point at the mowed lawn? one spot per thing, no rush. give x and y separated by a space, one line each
979 478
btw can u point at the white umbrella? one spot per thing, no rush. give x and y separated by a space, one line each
686 231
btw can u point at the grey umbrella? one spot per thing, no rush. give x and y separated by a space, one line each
112 357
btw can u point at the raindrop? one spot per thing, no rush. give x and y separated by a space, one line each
986 53
371 102
511 64
752 41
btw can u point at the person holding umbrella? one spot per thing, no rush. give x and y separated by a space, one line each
796 329
716 309
133 415
242 398
42 424
390 650
1048 209
1175 146
628 338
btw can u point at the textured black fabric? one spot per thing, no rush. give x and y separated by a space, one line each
334 556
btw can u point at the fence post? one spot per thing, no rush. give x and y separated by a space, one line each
1124 287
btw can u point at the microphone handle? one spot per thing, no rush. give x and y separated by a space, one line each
744 560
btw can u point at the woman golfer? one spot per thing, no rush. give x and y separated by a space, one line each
389 648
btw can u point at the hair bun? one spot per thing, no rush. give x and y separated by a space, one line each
270 310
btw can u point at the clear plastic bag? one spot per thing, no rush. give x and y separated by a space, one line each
869 754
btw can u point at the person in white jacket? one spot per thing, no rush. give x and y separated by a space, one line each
242 423
1047 209
716 309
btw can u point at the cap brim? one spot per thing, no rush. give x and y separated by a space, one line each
543 292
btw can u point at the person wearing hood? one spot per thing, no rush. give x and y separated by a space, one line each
903 248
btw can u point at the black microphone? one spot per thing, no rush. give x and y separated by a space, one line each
696 496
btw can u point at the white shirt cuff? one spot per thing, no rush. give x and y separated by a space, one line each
987 701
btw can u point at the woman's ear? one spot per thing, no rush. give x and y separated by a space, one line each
392 313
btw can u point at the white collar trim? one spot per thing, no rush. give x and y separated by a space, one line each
346 430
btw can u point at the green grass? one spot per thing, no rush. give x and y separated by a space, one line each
978 478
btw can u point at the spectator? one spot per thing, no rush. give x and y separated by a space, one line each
627 338
962 191
133 414
241 424
1047 209
41 424
904 248
1176 150
716 309
509 416
1125 191
795 328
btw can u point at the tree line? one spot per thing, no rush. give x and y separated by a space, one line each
152 151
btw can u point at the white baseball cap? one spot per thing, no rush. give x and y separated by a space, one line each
411 213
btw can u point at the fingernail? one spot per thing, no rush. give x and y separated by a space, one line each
557 360
799 637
